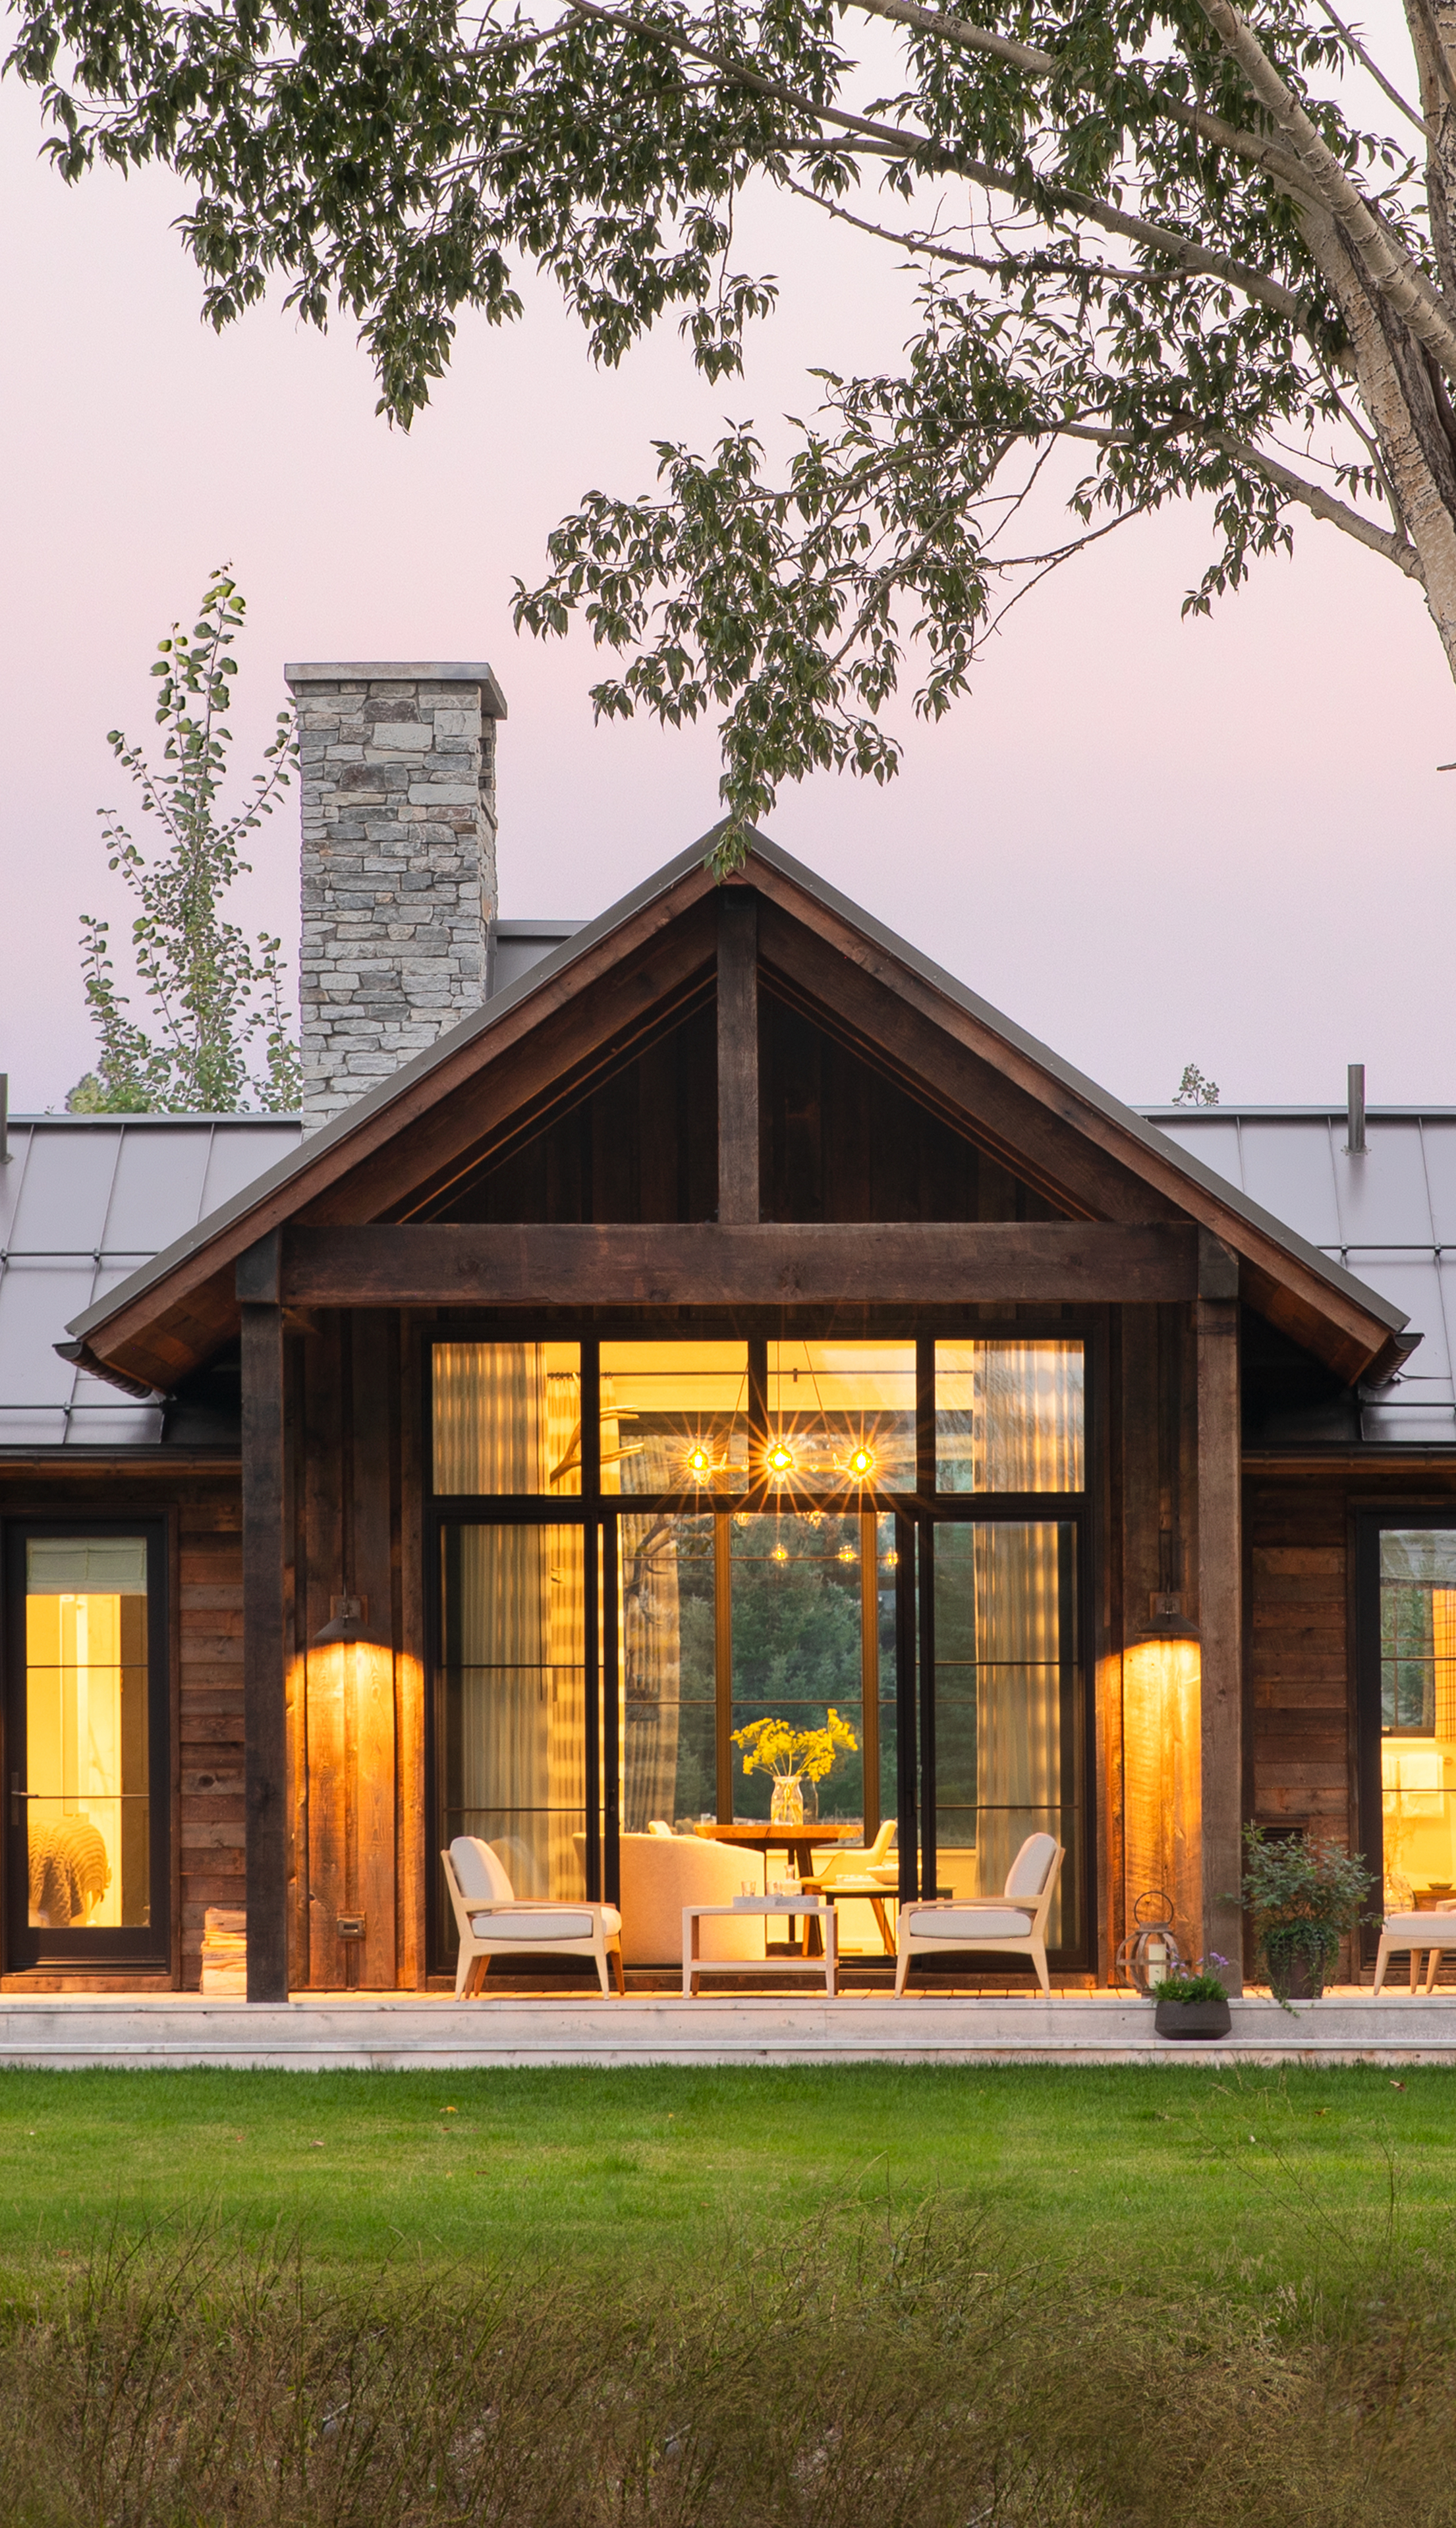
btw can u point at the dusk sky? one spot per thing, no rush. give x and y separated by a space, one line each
1149 841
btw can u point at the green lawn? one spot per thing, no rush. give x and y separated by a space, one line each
1192 2298
1166 2177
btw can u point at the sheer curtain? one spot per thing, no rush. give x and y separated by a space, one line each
651 1639
506 1423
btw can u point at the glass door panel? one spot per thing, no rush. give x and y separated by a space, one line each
514 1691
86 1776
798 1593
1004 1614
1418 1714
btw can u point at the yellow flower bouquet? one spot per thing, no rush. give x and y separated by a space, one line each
793 1755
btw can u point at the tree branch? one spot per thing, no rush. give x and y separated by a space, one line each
1251 145
1312 495
1387 266
1368 62
1190 257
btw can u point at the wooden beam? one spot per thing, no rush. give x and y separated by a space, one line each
738 1055
265 1647
1220 1627
760 1264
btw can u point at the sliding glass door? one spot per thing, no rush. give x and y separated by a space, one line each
652 1554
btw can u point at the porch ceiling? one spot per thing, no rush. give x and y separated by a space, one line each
608 988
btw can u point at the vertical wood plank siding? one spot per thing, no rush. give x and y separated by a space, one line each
210 1729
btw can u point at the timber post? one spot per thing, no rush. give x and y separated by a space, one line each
264 1648
1220 1602
738 1055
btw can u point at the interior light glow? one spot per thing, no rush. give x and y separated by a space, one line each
846 1553
699 1463
779 1458
780 1553
861 1462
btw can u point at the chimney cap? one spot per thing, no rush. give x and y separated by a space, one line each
400 672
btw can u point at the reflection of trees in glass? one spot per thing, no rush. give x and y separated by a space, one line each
1407 1656
795 1641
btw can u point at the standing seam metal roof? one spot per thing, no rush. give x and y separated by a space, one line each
85 1200
1388 1216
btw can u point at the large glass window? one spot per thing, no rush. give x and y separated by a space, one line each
508 1417
841 1414
674 1417
515 1700
1009 1417
759 1548
1418 1714
1005 1704
87 1735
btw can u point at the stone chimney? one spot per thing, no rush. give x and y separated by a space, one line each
397 772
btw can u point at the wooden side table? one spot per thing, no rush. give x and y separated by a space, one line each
695 1965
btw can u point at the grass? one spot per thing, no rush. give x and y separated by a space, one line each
816 2296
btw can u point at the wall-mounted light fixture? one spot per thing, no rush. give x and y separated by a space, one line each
347 1617
1167 1620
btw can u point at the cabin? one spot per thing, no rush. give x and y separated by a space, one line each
709 1314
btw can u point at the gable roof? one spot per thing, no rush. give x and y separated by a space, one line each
165 1317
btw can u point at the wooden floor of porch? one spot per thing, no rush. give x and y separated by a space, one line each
403 2032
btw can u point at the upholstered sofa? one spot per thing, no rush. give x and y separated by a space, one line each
661 1872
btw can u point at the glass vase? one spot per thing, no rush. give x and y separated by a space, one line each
786 1806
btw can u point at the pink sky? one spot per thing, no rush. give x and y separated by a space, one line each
1149 841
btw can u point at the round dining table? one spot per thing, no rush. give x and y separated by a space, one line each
755 1834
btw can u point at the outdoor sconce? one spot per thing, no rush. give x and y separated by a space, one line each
1166 1621
347 1620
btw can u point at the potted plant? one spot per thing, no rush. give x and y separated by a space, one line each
1304 1894
1192 2002
793 1757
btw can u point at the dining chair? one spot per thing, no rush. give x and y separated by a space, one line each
493 1922
858 1870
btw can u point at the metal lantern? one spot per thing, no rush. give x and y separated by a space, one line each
1150 1951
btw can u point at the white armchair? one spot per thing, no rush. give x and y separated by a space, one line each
1415 1931
1014 1923
492 1922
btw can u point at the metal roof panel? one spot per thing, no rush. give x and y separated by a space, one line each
1287 1167
1383 1196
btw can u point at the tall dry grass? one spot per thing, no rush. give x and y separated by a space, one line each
878 2372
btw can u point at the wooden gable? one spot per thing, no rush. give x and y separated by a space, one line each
709 1096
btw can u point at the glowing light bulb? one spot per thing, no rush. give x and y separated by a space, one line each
892 1559
861 1462
780 1553
699 1463
846 1553
779 1458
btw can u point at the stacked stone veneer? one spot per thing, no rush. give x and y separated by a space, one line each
398 766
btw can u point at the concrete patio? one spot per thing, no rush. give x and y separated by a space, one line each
427 2031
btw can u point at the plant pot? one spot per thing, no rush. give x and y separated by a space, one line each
1303 1979
1200 2020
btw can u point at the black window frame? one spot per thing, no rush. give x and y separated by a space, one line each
1370 1524
916 1515
117 1948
